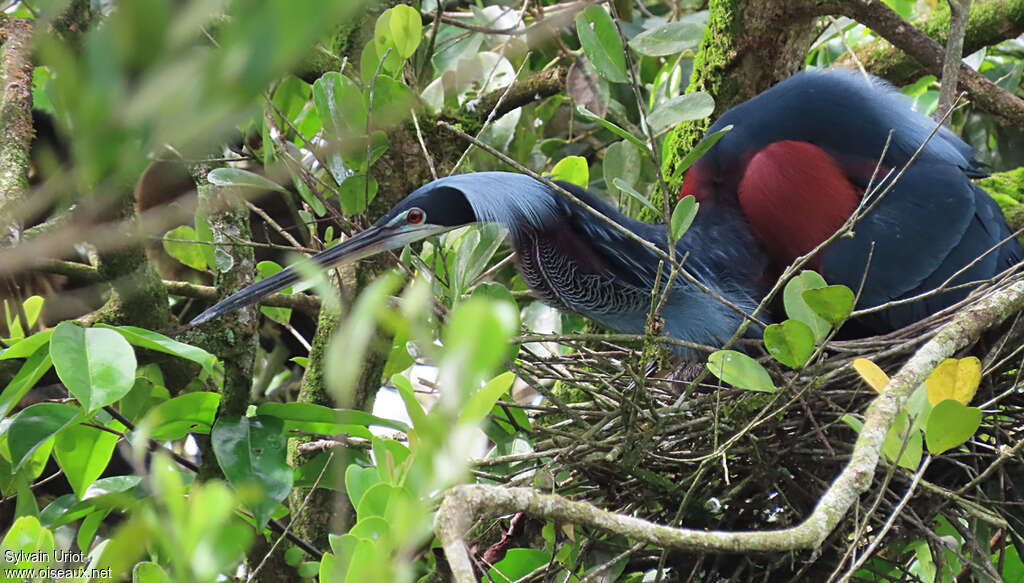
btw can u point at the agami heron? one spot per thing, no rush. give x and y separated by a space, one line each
791 171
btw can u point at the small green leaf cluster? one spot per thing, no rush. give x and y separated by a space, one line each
666 47
814 309
391 489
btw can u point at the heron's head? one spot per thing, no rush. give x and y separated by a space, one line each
430 210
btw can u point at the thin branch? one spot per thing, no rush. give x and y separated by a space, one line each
464 504
959 10
886 23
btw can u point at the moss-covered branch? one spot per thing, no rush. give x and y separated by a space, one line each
882 20
15 124
991 22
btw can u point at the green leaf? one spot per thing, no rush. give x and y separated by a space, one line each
740 371
340 105
83 452
384 42
391 101
32 306
242 179
28 375
291 96
498 293
183 244
911 457
412 407
358 480
313 418
335 568
25 540
399 358
599 38
205 234
354 195
950 425
670 38
354 152
623 161
626 188
474 251
572 169
35 424
687 107
833 303
518 563
390 455
252 450
481 402
683 215
97 365
853 422
791 342
591 116
316 204
374 502
796 306
182 415
406 29
149 572
155 341
26 347
112 488
265 269
87 529
701 148
368 62
476 338
905 8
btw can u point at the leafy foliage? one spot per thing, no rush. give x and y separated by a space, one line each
337 140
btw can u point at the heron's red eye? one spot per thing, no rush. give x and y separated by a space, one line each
414 216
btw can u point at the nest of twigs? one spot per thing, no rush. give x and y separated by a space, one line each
703 455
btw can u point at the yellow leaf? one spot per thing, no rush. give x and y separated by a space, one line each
871 374
954 379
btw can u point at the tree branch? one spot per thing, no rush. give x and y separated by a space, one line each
523 92
882 20
991 22
462 505
16 119
959 10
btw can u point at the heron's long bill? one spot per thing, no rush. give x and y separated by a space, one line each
370 242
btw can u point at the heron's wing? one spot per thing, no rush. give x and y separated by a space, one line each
932 223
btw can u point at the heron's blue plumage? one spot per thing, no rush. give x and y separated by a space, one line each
931 221
505 198
931 226
843 112
576 261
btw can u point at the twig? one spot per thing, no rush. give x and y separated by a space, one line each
463 504
959 11
287 529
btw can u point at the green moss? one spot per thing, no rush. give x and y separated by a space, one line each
1015 218
1007 188
710 75
991 22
